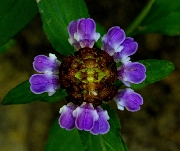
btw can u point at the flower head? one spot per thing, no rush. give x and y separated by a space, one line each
89 75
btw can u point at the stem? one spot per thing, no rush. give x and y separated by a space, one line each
131 29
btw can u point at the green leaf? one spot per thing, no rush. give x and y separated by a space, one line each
160 16
14 15
155 70
56 16
22 94
63 140
112 141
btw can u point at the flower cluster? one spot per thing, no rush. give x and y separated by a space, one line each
49 80
91 74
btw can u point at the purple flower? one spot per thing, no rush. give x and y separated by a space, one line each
129 48
49 81
43 63
66 119
101 126
131 72
129 99
89 76
85 116
112 41
82 33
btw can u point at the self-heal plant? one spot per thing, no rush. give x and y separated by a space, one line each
89 76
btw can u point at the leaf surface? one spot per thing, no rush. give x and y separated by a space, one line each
22 94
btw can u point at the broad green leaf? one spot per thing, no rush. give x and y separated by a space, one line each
7 45
112 141
14 15
63 140
22 94
56 16
155 70
162 16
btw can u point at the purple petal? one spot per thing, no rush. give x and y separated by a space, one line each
72 29
101 126
86 33
111 42
66 119
83 33
129 99
129 48
132 73
85 115
43 63
44 83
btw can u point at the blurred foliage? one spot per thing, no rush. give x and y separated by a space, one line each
159 16
7 45
14 15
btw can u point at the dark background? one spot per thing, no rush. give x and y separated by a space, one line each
156 127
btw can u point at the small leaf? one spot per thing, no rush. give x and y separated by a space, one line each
22 94
56 16
14 15
112 141
162 17
63 140
155 70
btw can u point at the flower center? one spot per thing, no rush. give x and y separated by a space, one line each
91 75
88 76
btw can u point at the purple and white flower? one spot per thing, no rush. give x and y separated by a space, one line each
88 116
131 72
112 41
49 80
129 48
129 99
66 119
43 63
101 126
85 116
82 33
